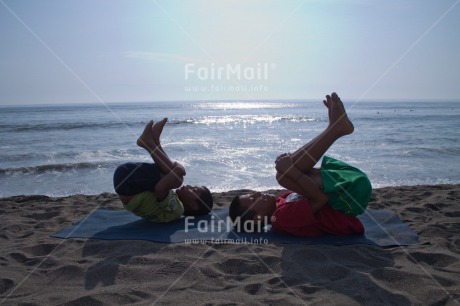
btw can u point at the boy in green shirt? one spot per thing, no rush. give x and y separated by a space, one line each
145 189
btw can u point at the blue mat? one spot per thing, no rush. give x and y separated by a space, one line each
382 228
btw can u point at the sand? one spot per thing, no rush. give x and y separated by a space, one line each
36 269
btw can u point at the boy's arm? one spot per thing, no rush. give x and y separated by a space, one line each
161 159
295 180
171 180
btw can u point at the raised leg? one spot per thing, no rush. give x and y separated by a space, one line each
157 129
146 141
295 171
307 156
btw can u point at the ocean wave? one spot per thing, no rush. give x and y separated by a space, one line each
63 167
87 156
236 119
414 116
39 127
30 156
432 152
207 120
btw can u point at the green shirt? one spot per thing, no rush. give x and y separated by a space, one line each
147 206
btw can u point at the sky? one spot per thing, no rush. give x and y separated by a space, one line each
99 51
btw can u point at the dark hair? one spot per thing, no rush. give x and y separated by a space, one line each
236 211
205 203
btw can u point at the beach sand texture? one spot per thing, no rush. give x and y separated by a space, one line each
36 269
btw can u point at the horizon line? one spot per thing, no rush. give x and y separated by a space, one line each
297 100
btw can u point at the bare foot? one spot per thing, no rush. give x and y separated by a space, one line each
146 139
338 119
328 105
157 129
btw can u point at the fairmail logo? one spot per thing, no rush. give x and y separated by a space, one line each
228 72
226 225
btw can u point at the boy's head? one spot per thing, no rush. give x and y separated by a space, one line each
197 200
252 207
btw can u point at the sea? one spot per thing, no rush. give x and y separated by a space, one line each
60 150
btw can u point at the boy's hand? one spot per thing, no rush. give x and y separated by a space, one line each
180 168
284 163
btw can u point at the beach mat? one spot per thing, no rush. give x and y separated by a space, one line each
382 228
